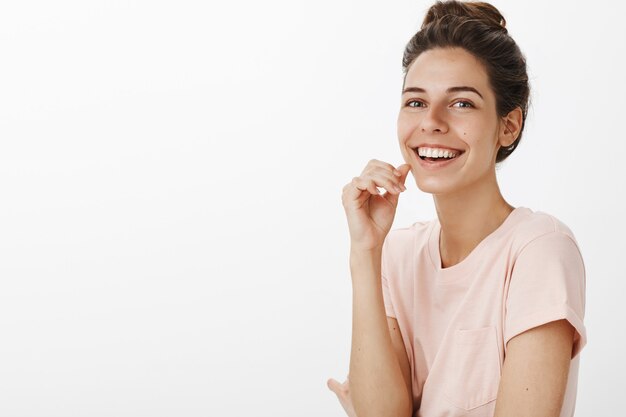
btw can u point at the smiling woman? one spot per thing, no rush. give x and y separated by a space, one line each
479 311
458 118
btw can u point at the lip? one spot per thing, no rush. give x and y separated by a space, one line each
434 145
439 164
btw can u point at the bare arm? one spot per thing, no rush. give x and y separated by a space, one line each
378 387
535 371
342 390
377 384
403 360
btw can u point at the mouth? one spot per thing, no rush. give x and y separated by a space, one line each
437 154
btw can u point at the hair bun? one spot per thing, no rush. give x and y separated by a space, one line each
484 12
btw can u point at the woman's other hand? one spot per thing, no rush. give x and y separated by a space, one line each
343 394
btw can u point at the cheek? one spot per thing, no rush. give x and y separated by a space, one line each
405 126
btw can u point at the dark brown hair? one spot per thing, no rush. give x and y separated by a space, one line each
480 29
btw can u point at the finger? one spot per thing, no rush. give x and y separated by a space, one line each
351 191
379 168
366 184
393 197
383 178
361 188
333 385
404 170
375 163
396 181
392 182
370 164
353 198
370 186
363 184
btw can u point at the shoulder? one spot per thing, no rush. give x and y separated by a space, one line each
537 227
546 279
401 240
402 235
546 247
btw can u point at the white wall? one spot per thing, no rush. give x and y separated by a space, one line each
172 239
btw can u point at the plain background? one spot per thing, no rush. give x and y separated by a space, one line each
172 239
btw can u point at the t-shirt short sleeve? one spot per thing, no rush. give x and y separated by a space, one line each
389 311
547 284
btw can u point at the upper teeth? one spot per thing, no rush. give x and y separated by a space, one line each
436 153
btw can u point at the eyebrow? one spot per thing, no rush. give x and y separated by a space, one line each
448 91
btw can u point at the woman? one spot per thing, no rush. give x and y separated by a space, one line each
480 311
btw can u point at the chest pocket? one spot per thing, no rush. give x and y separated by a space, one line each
475 372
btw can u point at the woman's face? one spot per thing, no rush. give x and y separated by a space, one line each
436 114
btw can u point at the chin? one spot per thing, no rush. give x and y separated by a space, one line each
435 187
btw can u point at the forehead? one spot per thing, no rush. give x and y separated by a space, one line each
437 69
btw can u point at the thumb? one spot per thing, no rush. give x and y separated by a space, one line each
404 170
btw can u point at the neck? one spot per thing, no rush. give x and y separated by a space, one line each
467 217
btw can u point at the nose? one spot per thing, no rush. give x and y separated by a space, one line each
433 121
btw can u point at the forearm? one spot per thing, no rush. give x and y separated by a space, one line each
376 383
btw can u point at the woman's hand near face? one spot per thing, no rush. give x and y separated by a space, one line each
369 214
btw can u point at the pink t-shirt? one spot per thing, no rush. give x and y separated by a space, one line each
456 321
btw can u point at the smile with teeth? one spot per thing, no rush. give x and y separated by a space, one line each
433 154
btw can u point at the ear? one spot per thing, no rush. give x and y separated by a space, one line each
510 126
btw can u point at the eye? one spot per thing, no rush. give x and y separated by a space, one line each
468 104
411 102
